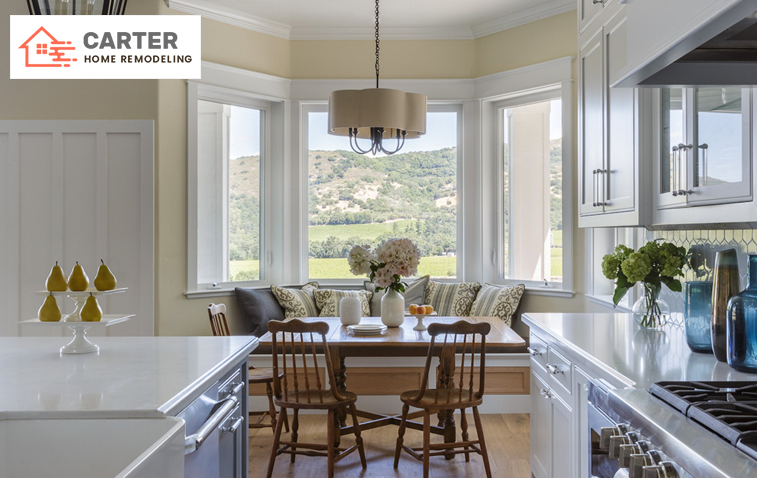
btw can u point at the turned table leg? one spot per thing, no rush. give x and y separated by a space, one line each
444 377
340 376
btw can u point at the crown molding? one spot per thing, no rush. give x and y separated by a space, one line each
237 18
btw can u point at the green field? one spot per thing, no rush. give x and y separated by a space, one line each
368 232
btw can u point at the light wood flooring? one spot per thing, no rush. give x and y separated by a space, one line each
507 439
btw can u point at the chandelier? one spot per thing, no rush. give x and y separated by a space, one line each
377 114
76 7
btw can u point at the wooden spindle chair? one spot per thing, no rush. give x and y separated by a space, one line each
448 398
220 327
299 386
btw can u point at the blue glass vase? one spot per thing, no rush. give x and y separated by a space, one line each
697 315
741 320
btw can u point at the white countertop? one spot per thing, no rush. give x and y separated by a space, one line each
634 356
132 377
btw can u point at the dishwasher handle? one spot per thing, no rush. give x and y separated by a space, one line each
194 441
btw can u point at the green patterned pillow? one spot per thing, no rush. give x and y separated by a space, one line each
297 303
498 301
328 301
453 299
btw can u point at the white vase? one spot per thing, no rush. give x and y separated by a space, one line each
392 308
349 310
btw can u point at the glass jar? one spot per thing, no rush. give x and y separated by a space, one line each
651 312
697 315
741 323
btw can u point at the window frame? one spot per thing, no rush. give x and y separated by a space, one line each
322 106
201 92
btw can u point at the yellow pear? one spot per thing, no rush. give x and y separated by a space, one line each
105 279
56 281
91 312
78 280
49 312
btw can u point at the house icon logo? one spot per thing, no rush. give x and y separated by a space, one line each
43 50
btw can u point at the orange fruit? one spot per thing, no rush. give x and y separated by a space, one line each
421 309
413 309
429 309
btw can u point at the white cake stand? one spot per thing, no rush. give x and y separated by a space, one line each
80 344
79 297
420 327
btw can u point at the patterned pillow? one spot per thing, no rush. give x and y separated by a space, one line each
496 301
328 301
297 303
413 294
451 299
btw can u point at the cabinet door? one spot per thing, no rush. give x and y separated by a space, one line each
619 175
541 432
719 164
591 124
561 424
672 167
587 11
581 434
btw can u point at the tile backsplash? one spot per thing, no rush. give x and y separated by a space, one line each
702 246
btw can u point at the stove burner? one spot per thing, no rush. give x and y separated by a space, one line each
728 409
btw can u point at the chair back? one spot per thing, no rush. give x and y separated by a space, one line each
293 339
217 314
470 336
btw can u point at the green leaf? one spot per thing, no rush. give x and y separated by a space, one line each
620 292
674 285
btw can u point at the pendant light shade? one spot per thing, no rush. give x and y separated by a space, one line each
377 114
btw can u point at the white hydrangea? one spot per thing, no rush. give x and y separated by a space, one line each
360 259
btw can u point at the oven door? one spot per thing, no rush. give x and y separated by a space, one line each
602 466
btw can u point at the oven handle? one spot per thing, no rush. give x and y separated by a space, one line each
195 441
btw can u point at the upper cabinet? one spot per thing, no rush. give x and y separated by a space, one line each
588 11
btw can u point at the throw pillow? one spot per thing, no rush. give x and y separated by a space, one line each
453 299
260 307
328 300
413 294
297 303
498 301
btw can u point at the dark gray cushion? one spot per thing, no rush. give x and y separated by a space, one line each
260 307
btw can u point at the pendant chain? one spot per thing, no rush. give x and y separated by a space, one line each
377 43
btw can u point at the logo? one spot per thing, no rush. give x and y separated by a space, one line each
42 50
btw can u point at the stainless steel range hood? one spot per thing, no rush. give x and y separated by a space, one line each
708 48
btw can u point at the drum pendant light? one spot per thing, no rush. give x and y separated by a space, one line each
377 114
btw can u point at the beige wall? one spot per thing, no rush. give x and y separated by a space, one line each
164 101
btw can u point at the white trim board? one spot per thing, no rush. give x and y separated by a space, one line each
259 24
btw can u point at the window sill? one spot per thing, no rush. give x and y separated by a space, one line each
606 300
550 292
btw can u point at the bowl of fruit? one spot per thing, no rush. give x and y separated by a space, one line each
420 312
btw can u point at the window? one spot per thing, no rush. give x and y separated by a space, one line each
364 199
532 211
41 48
228 167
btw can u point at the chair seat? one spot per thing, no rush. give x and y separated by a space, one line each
434 399
261 375
318 401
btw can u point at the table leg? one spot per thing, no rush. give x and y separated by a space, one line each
445 378
340 376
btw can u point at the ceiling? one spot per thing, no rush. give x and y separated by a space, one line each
353 19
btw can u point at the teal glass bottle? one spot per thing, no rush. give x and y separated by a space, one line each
742 324
697 315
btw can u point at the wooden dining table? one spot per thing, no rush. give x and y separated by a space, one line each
400 341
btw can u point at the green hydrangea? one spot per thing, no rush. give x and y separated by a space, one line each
672 260
610 266
637 266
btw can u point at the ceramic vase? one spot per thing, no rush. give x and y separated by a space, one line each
697 316
725 285
349 310
742 324
392 308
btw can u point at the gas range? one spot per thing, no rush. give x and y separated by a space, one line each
674 430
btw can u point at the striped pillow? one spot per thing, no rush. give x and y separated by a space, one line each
496 301
297 303
328 301
451 299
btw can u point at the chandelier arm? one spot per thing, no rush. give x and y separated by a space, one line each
356 147
377 43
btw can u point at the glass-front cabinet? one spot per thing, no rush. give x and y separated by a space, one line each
705 146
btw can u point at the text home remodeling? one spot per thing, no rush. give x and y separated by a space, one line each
138 40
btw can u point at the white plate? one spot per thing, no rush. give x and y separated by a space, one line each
366 329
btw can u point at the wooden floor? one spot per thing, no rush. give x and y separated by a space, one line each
507 438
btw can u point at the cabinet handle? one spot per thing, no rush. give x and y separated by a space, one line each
595 187
674 175
545 393
681 179
704 147
603 182
533 351
595 2
553 369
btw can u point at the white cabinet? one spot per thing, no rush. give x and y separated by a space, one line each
551 432
588 11
581 436
591 124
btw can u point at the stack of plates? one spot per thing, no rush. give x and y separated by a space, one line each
366 329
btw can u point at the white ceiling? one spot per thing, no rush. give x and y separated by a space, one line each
353 19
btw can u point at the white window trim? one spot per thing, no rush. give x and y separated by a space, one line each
322 106
197 91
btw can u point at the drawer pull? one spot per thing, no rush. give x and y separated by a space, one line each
546 393
597 2
533 351
553 369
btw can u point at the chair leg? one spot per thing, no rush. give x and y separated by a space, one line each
271 406
330 442
276 439
464 427
295 428
401 435
358 438
482 442
426 442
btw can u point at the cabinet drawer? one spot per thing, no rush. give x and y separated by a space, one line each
538 351
560 371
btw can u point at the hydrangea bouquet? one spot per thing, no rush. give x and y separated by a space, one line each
392 260
654 264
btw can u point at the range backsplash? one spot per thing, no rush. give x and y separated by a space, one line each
702 246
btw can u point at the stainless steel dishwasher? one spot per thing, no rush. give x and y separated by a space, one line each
216 425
